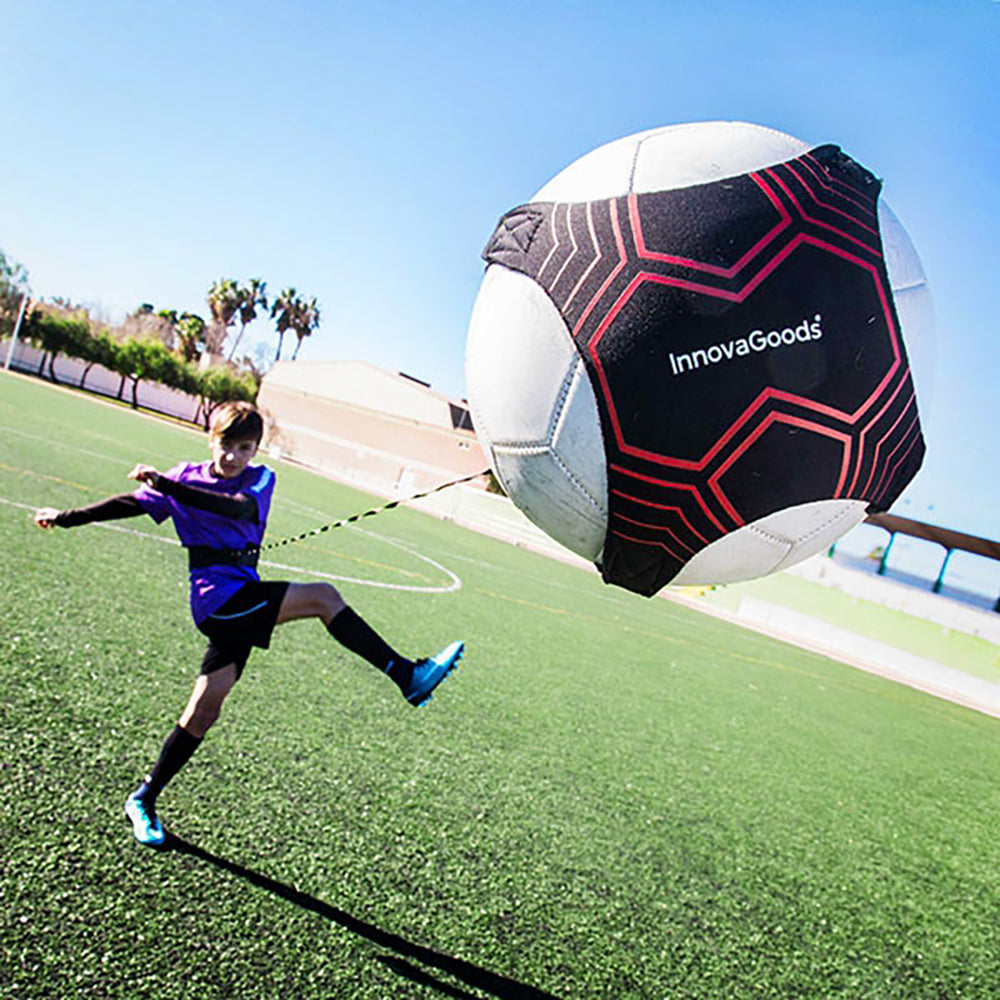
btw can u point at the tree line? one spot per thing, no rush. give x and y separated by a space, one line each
135 360
180 350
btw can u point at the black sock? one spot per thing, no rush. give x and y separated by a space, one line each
350 630
177 750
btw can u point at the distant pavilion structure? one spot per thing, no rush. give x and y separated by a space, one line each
951 541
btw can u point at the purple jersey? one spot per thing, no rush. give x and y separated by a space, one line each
212 586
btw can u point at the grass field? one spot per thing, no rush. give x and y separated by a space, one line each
612 797
968 653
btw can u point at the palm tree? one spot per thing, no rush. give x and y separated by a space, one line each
249 298
283 310
294 313
307 316
224 301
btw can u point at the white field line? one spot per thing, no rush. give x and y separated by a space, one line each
49 442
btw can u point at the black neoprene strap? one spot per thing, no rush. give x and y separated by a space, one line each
203 556
238 506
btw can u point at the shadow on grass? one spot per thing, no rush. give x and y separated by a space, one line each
472 975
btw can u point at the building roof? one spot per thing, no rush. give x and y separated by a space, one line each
361 384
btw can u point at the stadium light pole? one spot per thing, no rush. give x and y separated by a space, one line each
17 328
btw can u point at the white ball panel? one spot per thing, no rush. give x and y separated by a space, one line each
701 152
814 526
772 543
547 494
901 259
534 409
915 309
914 305
517 354
602 173
675 156
577 438
740 555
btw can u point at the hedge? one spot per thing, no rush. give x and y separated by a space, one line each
135 360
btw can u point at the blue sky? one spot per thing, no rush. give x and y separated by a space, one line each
364 151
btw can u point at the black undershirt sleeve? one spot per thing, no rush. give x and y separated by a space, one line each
238 506
123 505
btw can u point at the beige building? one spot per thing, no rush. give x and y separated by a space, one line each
386 432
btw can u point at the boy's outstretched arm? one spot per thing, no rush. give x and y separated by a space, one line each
112 509
124 505
238 506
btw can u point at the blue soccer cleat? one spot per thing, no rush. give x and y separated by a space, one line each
428 673
146 826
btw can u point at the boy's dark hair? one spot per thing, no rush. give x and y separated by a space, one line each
237 422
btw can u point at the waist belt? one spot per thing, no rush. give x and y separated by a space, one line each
201 556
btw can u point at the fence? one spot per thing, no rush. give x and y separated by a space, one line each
72 371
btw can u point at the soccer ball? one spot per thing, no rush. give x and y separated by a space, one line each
688 359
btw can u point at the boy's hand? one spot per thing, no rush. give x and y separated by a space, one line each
144 474
46 517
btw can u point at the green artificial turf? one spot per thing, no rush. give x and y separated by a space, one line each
612 797
930 640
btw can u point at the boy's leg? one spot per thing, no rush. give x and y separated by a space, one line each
415 680
320 600
310 600
205 703
202 710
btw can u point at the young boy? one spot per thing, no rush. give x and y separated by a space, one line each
219 509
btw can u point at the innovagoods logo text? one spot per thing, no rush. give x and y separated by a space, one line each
752 343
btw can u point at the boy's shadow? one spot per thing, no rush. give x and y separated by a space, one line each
472 975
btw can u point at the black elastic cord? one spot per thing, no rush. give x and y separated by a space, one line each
369 513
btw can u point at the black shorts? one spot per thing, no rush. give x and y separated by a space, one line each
246 620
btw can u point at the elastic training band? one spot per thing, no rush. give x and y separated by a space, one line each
368 513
